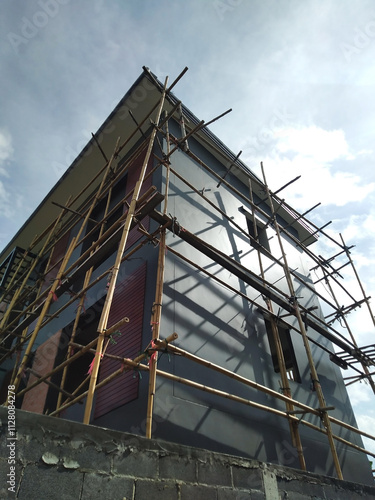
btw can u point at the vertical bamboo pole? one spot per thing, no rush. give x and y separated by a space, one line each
157 307
168 168
115 270
314 374
359 281
44 311
347 326
155 321
293 425
81 305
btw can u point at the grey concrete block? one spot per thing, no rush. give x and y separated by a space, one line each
301 485
88 457
176 467
156 490
100 486
257 495
294 495
197 492
247 478
231 494
139 465
52 483
348 491
30 450
214 472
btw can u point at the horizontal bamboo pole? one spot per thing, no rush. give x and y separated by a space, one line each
262 388
259 406
126 365
129 364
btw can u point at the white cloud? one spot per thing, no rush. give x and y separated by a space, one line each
6 150
313 142
310 151
5 202
366 423
359 393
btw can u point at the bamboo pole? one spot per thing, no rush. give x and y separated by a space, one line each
45 308
347 326
293 425
115 270
314 374
358 279
157 306
82 299
155 321
168 169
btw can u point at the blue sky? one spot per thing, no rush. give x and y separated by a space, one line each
299 76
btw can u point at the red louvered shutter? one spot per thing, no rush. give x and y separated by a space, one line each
128 301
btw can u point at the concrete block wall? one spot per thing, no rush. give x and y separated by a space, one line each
63 460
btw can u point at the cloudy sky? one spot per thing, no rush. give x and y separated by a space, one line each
299 76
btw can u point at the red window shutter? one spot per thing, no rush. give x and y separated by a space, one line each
133 176
128 301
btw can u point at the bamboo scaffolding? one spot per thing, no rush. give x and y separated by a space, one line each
358 280
347 326
259 406
73 299
80 307
166 345
82 258
121 229
45 308
264 214
57 281
158 303
255 385
115 270
296 438
314 374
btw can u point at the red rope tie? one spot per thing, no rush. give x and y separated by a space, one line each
153 355
152 323
91 367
